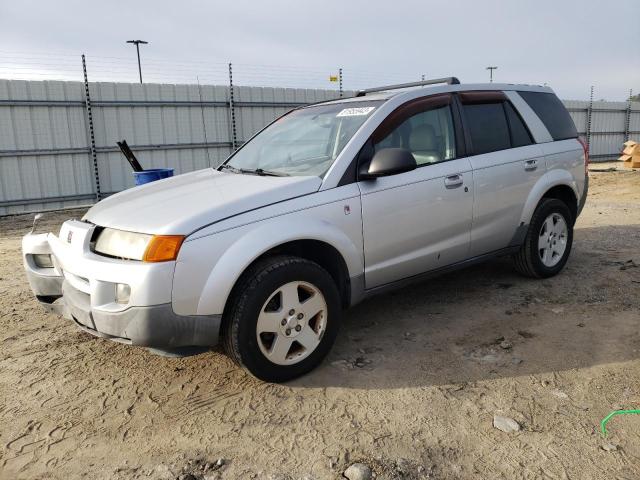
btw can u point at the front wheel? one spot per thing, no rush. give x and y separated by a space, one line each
282 319
548 242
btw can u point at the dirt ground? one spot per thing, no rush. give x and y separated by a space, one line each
410 388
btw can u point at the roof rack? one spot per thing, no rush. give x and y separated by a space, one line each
447 80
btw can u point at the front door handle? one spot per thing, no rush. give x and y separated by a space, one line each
453 181
530 165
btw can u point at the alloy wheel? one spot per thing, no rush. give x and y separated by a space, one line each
291 323
552 240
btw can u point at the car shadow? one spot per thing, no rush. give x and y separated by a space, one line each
488 322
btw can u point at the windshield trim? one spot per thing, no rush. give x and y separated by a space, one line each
347 101
233 154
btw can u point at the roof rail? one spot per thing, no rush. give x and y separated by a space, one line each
447 80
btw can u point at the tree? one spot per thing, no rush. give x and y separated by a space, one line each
635 98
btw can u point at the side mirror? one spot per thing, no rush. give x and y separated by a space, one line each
389 161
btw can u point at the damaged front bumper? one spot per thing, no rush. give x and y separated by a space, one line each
81 286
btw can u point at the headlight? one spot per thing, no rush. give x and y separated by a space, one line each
138 246
121 244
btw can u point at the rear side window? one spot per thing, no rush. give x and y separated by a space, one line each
552 113
520 135
487 125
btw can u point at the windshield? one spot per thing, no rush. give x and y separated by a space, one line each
304 142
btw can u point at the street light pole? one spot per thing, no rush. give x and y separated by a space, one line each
491 69
137 44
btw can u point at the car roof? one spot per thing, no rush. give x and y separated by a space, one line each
435 89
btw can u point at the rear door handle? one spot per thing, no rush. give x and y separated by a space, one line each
453 181
530 165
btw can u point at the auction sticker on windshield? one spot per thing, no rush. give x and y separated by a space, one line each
355 112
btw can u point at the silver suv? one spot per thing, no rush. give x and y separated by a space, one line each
326 206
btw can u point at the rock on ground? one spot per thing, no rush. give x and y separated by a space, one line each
358 471
505 424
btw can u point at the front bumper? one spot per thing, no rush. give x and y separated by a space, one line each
81 287
154 326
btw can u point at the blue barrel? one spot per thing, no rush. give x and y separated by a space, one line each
148 176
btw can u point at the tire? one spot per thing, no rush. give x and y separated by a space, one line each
263 300
531 260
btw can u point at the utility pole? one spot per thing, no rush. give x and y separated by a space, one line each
137 44
491 69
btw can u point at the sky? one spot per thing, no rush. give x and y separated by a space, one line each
569 45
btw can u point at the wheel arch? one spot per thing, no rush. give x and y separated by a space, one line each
316 240
558 184
317 251
566 195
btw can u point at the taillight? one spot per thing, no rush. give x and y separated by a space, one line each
585 147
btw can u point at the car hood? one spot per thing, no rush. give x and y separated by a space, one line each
185 203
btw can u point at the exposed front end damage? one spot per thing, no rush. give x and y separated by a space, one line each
69 279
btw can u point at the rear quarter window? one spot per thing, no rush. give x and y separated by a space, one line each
520 135
552 113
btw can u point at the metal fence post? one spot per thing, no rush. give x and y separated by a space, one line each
92 138
589 114
340 80
204 125
232 111
627 119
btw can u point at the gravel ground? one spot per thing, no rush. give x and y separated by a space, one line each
412 389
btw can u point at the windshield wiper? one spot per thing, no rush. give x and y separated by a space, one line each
258 171
230 167
267 173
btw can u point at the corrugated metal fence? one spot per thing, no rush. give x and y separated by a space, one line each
605 125
45 144
45 141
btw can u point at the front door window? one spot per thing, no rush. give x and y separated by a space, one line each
429 135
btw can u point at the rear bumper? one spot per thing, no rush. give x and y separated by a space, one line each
583 198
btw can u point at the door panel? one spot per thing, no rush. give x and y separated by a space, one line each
502 182
506 165
416 221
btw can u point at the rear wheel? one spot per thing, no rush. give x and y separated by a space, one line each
548 242
282 319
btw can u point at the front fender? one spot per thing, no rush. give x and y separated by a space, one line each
256 241
550 179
